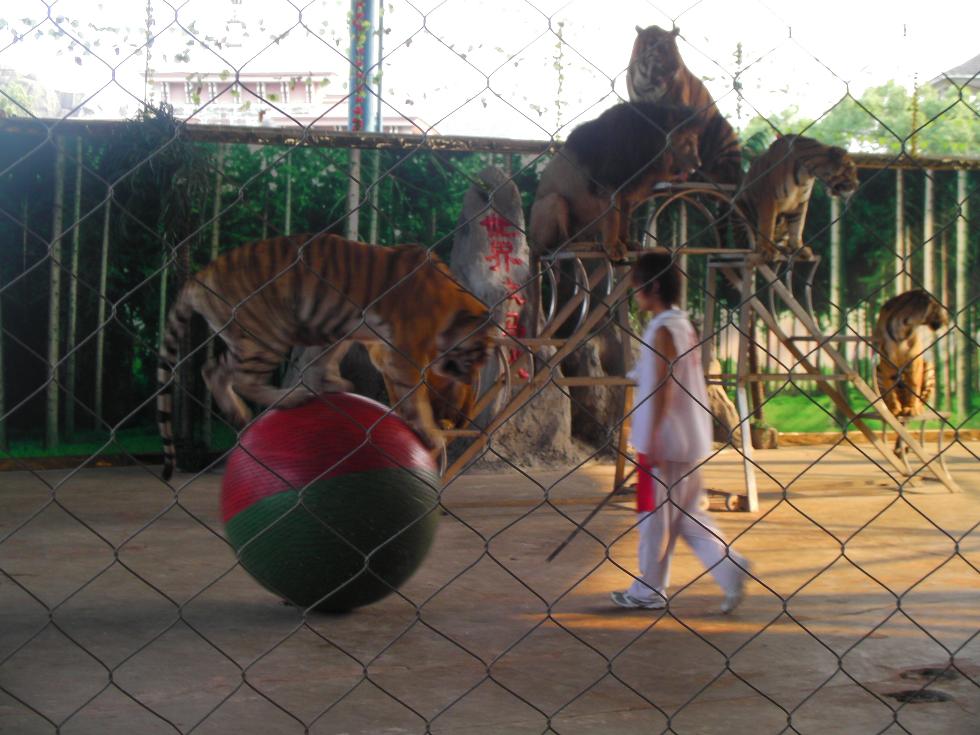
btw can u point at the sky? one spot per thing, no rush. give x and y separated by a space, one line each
471 67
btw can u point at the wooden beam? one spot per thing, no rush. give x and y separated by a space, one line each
546 336
293 135
593 380
286 136
830 390
510 339
765 377
461 433
863 388
961 311
620 475
588 253
541 378
745 318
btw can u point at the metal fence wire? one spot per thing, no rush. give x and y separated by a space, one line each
321 568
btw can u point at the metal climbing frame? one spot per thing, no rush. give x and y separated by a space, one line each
742 268
741 273
543 375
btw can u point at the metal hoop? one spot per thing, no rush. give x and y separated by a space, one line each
650 233
553 301
587 297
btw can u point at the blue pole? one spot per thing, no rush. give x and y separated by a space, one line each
365 70
380 37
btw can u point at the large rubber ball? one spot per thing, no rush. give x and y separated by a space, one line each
330 505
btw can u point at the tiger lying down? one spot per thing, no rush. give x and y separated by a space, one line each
606 169
266 297
657 73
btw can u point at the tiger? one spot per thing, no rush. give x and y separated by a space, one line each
657 73
452 401
605 169
906 380
778 185
265 297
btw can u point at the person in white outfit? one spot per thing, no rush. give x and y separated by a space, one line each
671 431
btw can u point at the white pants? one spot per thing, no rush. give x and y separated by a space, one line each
678 490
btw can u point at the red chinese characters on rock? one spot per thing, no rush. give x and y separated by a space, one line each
512 324
512 289
513 327
501 234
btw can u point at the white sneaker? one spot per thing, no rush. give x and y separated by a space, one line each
625 599
734 598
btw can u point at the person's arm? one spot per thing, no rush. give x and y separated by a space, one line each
665 351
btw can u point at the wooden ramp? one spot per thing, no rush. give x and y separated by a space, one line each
742 269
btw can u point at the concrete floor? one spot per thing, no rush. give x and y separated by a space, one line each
122 611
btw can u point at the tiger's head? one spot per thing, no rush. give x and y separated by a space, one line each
837 171
903 314
936 318
682 151
654 63
463 345
932 313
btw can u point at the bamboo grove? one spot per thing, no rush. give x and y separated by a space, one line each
97 233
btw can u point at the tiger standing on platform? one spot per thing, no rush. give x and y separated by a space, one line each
778 186
264 298
657 73
671 431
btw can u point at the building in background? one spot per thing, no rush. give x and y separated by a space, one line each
966 76
271 99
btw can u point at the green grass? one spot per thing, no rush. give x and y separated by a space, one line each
135 440
790 410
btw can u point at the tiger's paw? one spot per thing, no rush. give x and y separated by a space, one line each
768 253
433 439
617 252
335 385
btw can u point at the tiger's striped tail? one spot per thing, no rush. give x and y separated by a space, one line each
177 320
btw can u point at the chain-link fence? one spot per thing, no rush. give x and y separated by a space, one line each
441 557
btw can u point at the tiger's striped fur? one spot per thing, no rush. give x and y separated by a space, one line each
452 402
657 73
906 380
266 297
778 186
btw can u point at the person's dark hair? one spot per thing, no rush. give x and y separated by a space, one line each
661 269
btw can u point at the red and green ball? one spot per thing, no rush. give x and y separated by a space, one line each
333 504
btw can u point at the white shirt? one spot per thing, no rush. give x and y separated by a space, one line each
686 431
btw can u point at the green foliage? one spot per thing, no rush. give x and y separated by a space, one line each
148 159
424 193
949 122
255 188
880 121
162 188
15 97
755 145
157 181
